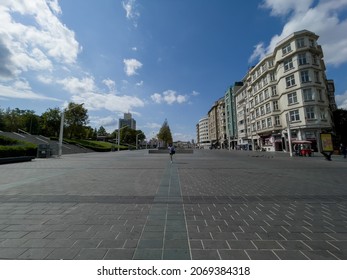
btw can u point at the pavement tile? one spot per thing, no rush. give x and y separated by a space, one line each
111 244
36 253
63 254
290 255
233 254
241 244
176 254
148 254
205 254
261 255
11 253
267 244
319 255
91 254
119 254
215 244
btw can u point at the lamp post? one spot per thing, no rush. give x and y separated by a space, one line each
119 129
137 136
61 132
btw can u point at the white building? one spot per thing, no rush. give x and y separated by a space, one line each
203 136
287 87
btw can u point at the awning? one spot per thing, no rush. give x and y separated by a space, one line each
301 142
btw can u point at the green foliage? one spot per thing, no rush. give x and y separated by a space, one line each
13 148
76 118
51 122
165 133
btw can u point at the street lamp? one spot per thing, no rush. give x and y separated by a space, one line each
137 136
119 129
61 132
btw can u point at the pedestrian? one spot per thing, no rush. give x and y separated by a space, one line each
171 151
343 150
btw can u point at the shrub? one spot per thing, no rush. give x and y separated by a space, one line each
14 148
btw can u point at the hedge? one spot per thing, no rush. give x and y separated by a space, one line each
14 148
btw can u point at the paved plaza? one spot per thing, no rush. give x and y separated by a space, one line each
211 204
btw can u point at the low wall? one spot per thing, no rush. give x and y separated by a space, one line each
7 160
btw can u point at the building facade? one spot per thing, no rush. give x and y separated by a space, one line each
127 121
230 115
286 92
286 89
202 132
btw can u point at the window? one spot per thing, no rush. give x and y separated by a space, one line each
302 59
312 43
277 120
310 113
271 63
292 98
320 97
308 94
305 77
322 114
263 124
261 97
262 110
294 115
269 122
253 127
288 64
286 49
266 93
316 77
268 108
314 59
256 100
258 125
300 43
272 77
275 105
290 81
257 112
273 91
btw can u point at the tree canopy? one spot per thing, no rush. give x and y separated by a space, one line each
165 133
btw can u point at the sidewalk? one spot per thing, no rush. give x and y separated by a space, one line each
206 205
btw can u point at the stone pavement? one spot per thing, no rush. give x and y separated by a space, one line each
207 205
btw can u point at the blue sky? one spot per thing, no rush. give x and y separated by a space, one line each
158 59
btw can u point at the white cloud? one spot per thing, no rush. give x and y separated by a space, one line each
169 97
36 46
131 65
22 90
195 93
130 8
325 17
139 84
110 84
341 100
78 86
85 91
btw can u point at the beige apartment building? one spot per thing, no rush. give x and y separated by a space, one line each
286 88
217 124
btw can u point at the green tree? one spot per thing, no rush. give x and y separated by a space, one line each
50 122
102 131
165 133
76 118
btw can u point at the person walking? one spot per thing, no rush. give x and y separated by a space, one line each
171 151
343 150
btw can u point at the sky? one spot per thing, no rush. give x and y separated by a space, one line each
157 59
